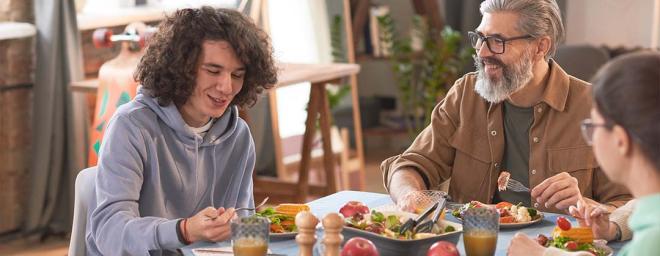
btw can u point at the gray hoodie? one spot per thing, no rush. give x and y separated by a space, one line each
153 170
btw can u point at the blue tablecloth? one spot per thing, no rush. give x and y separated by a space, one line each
333 202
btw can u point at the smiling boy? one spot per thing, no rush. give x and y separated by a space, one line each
178 159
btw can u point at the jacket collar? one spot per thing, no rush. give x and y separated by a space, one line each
556 90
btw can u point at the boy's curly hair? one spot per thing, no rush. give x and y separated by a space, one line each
169 66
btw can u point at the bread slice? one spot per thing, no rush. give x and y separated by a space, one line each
291 209
578 234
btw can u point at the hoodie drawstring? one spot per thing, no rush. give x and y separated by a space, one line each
213 180
196 163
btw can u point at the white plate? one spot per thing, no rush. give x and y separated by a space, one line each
522 224
602 244
283 236
511 225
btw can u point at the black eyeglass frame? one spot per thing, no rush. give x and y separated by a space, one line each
587 127
476 36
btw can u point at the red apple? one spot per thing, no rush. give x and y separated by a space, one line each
358 246
353 207
442 248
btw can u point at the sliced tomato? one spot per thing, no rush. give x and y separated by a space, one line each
501 205
507 219
504 212
276 228
563 223
287 225
287 222
571 245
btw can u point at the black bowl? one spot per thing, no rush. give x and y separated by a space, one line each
415 247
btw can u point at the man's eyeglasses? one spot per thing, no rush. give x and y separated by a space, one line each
496 44
588 127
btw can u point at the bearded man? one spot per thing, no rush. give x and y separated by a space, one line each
518 113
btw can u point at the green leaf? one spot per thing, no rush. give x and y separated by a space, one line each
392 221
269 211
532 212
336 39
377 216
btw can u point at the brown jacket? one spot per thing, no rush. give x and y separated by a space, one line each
465 142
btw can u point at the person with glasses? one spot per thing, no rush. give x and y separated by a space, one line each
519 113
624 130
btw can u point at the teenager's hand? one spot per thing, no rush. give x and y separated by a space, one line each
209 224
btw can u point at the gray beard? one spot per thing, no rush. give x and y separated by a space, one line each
513 78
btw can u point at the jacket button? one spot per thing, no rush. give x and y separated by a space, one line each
497 165
493 132
539 109
533 171
536 139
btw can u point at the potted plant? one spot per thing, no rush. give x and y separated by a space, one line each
424 76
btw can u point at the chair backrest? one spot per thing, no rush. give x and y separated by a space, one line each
85 194
581 61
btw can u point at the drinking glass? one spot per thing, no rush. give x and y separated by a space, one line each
249 235
480 228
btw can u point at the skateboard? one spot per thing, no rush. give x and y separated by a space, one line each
116 85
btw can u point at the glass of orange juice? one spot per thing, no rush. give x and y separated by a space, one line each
249 236
480 228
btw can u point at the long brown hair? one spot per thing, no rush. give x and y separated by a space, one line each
169 66
627 93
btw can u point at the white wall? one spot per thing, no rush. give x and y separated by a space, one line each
300 34
610 22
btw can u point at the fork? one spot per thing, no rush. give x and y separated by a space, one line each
253 208
516 186
243 209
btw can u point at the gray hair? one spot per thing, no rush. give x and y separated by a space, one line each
537 18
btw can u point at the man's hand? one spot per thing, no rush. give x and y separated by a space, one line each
559 191
403 182
209 224
592 214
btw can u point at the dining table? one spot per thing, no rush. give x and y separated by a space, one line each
332 203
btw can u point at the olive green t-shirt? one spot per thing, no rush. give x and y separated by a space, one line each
517 122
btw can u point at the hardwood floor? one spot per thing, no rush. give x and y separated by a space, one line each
51 247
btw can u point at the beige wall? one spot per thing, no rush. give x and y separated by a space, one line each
610 22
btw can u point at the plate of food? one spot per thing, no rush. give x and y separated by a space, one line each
511 216
569 238
382 228
282 220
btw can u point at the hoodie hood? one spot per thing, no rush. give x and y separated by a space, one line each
222 127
